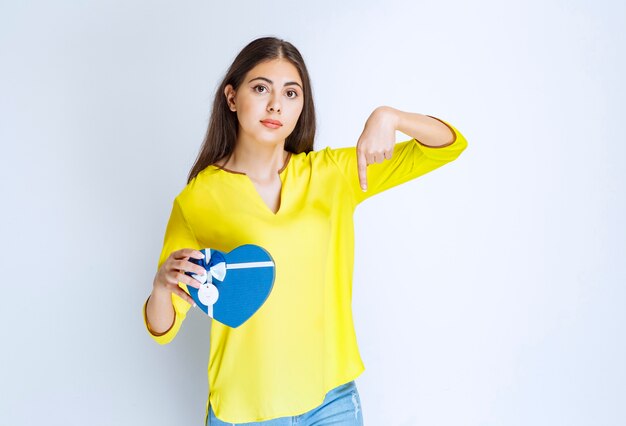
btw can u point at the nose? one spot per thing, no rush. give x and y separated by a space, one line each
274 104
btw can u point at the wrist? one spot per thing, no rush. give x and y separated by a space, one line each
159 290
390 114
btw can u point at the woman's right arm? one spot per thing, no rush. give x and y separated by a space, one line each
167 306
160 314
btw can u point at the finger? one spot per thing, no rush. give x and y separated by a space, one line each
192 267
181 277
188 266
190 281
186 253
183 295
179 254
373 158
196 254
362 168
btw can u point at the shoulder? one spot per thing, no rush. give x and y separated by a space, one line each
206 181
319 159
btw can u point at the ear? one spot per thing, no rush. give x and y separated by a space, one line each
229 92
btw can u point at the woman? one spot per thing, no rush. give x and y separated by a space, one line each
258 181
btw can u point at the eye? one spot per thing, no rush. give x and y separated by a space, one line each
257 86
295 94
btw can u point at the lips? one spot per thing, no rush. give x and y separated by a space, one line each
274 122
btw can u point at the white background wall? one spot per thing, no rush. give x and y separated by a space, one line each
489 292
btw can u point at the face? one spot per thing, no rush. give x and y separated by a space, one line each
272 90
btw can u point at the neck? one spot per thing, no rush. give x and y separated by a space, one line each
260 162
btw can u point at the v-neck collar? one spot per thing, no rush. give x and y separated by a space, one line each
258 196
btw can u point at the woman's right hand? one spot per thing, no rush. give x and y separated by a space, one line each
173 270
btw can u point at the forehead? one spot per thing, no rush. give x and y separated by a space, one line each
277 70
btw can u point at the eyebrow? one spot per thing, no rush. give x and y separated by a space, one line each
289 83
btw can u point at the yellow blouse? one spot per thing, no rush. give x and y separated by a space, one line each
301 343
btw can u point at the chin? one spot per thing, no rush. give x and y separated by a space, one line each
271 139
272 135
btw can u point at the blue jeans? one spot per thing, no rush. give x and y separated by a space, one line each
341 407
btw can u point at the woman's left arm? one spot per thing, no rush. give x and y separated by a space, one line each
377 141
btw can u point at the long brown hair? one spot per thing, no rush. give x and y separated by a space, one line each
221 135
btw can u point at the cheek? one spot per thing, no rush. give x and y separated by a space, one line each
297 115
248 112
296 111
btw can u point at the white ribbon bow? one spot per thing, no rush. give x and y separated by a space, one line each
218 271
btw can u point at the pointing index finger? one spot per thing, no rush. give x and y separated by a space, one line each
362 168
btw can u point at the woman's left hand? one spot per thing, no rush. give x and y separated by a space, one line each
377 140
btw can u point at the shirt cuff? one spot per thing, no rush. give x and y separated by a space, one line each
448 152
145 319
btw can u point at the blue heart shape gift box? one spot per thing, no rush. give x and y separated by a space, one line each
236 283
